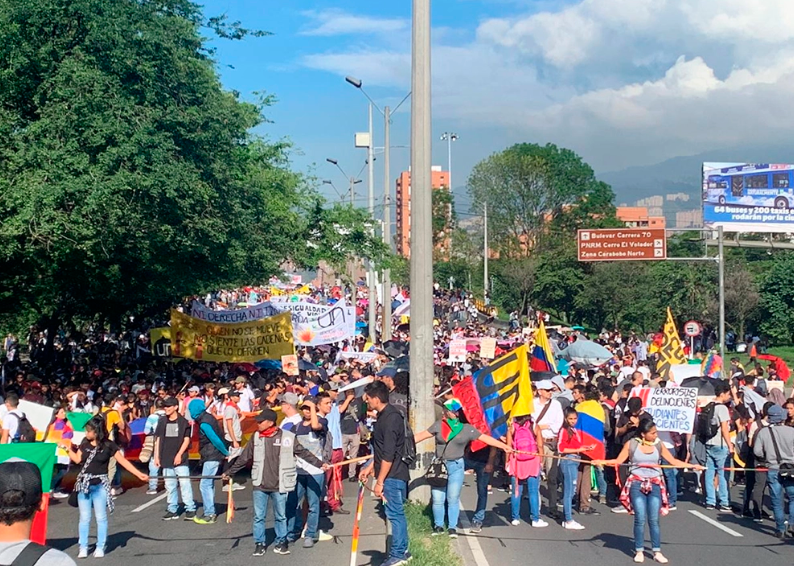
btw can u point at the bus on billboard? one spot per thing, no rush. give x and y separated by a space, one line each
748 197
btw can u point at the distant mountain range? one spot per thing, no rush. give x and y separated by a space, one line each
682 174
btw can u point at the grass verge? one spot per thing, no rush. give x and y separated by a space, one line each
427 550
784 352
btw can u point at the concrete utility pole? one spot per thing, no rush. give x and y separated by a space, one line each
422 411
372 306
721 268
386 312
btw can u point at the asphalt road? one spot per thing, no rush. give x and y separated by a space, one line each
688 537
139 537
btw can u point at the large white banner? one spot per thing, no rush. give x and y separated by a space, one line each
312 324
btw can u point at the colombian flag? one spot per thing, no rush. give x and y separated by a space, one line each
542 355
43 455
504 390
591 423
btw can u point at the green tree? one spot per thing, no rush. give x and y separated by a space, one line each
443 222
777 299
128 176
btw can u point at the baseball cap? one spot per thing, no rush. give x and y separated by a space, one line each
290 399
545 385
776 414
234 393
241 379
194 389
309 398
170 402
266 415
223 391
23 477
333 386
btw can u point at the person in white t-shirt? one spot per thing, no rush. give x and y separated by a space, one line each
246 402
289 408
11 419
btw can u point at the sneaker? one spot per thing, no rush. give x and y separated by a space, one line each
710 507
394 562
170 516
758 520
282 549
515 522
151 492
781 535
590 511
437 531
60 495
322 536
341 511
83 553
259 550
116 491
99 553
190 515
725 509
476 528
539 524
408 557
352 480
235 487
453 533
619 510
205 520
660 558
672 508
308 543
639 557
572 526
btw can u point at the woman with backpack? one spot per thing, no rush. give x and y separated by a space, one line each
452 436
523 466
644 492
570 444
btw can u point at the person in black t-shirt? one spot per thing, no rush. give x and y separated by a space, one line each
171 446
93 485
388 443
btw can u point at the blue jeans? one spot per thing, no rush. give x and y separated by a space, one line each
309 487
646 510
533 488
483 479
602 482
170 475
778 492
153 471
716 456
671 479
96 498
395 491
261 500
207 487
449 495
570 469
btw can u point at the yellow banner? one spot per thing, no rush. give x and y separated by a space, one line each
670 352
160 341
265 339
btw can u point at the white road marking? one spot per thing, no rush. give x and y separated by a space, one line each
711 521
474 544
150 503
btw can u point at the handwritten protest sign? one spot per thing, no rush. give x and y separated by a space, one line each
457 351
673 408
289 364
488 348
266 339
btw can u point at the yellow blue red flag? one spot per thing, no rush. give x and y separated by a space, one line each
542 354
504 390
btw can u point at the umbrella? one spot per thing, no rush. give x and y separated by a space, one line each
395 366
577 327
705 385
395 348
783 371
269 364
586 352
303 365
246 367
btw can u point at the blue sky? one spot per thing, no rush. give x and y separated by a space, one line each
622 82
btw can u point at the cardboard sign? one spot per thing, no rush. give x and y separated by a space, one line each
289 364
673 408
488 348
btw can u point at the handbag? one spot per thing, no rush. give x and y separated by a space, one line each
785 471
72 500
437 474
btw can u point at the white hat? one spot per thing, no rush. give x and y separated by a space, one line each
545 385
223 391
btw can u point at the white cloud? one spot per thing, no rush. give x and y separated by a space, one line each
337 22
620 81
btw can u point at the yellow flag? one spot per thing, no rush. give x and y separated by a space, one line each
670 352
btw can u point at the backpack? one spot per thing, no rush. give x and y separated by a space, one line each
524 442
25 430
706 427
409 446
30 555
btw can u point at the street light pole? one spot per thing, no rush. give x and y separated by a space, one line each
421 360
386 311
372 306
449 137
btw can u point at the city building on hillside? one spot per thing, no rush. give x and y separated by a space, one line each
638 217
689 219
440 180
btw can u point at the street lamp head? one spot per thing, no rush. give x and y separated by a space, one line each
332 161
454 137
354 81
357 181
327 182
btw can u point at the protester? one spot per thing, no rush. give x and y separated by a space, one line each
20 500
644 492
452 436
391 472
148 430
523 465
171 447
548 418
719 448
93 484
774 444
213 451
273 452
570 446
59 430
